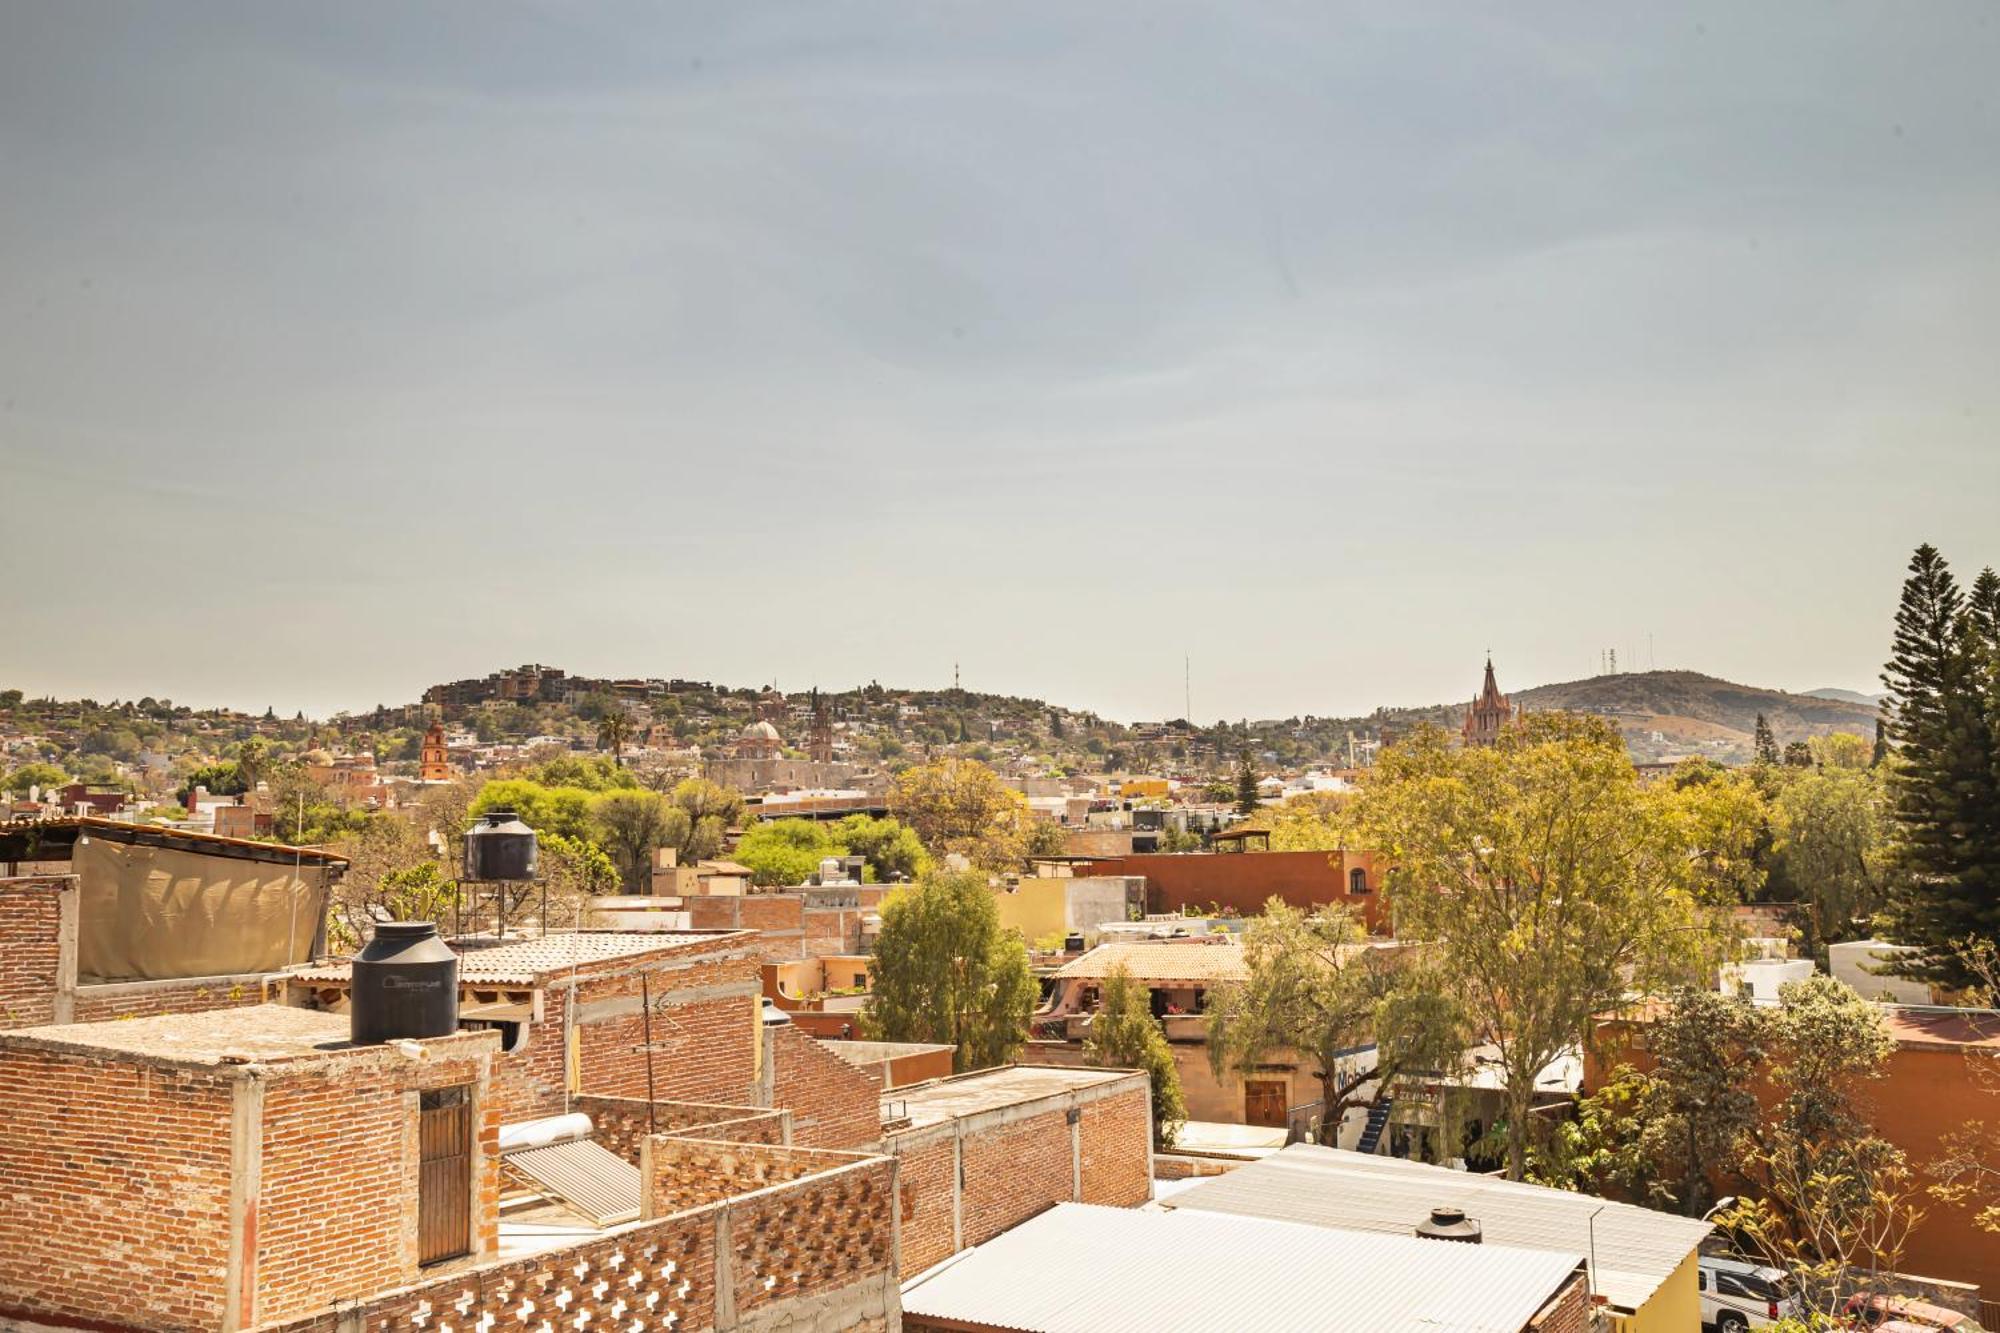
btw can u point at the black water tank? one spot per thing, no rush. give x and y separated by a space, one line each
405 985
1449 1224
499 847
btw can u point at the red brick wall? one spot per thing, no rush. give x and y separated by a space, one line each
834 1104
89 1230
704 1030
144 999
925 1189
1014 1171
337 1214
30 949
1245 880
1115 1149
621 1124
1015 1164
1568 1313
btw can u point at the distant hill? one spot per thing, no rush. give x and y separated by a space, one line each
1669 714
1847 696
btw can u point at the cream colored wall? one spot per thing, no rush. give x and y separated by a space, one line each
1675 1307
1036 908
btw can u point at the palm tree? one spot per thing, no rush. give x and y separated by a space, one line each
613 730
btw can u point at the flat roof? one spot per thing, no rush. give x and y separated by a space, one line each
262 1034
962 1095
1085 1268
1636 1248
1162 960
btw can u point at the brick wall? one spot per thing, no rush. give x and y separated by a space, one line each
337 1215
142 999
704 1031
834 1104
926 1201
967 1180
683 1174
813 1254
32 975
1569 1312
621 1124
116 1183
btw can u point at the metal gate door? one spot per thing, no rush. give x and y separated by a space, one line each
444 1180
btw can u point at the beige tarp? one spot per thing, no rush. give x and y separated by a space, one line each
148 913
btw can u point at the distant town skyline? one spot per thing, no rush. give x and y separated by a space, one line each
1330 346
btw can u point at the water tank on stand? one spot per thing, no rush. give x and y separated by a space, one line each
500 848
405 985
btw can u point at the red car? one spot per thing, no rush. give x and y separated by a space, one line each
1891 1314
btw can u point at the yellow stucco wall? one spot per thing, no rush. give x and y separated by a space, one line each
1675 1307
1035 909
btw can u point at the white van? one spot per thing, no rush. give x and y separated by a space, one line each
1736 1295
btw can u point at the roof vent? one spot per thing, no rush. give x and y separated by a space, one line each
1449 1224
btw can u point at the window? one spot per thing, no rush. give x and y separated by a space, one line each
1357 881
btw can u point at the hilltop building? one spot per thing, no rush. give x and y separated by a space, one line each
1489 712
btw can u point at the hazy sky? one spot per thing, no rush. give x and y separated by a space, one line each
1328 345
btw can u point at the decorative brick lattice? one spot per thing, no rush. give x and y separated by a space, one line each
796 1242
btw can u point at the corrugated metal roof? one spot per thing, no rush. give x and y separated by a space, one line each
587 1176
1636 1249
1161 960
1082 1268
520 963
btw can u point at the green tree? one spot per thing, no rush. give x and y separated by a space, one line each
785 851
1765 743
1695 1103
1317 989
1798 754
945 970
891 848
1549 879
1944 780
1828 1200
1247 799
564 810
710 810
253 762
1125 1035
961 806
630 826
588 772
613 730
34 774
1831 833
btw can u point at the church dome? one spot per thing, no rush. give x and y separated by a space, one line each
760 731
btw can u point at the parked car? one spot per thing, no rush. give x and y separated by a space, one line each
1885 1314
1736 1295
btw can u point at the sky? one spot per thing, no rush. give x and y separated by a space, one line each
1291 356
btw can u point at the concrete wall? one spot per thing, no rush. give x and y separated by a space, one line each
1243 881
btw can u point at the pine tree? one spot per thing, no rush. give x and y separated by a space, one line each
1767 744
1246 786
1945 783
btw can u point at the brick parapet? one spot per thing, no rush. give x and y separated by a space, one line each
37 949
814 1254
834 1104
182 995
621 1124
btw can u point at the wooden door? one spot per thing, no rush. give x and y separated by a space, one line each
444 1175
1264 1101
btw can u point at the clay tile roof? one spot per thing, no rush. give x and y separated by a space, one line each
1161 960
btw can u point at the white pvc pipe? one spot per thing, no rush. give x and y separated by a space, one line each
541 1133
